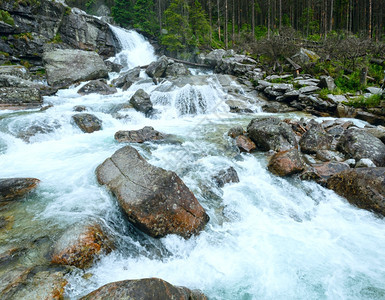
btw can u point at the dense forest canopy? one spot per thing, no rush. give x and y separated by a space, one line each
225 22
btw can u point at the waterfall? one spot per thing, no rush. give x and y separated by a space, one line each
136 50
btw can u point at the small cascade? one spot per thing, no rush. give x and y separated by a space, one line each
136 50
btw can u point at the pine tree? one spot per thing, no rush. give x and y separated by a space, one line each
122 12
144 16
199 23
179 34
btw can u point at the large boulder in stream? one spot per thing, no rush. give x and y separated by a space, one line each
80 245
13 188
155 200
126 79
141 101
65 67
364 187
357 143
15 98
145 134
157 68
144 289
315 138
271 134
88 123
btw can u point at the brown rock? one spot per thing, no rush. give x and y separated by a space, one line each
145 134
364 187
88 123
144 289
323 172
12 188
286 163
80 245
155 200
245 144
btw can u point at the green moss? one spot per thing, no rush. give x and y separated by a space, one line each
24 35
6 18
57 39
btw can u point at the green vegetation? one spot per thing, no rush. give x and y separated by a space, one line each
362 102
6 18
144 16
122 12
24 35
56 39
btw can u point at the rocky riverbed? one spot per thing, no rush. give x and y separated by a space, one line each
212 182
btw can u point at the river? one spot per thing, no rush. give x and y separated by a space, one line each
267 238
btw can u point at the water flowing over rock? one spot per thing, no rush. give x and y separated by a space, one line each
155 200
356 143
145 134
88 123
286 163
271 134
38 283
97 86
80 245
364 187
228 175
141 101
144 289
12 188
65 67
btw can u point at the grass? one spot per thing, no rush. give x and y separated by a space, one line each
362 102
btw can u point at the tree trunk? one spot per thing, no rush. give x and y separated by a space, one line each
370 19
253 19
226 26
219 21
331 15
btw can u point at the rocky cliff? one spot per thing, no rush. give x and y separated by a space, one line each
36 26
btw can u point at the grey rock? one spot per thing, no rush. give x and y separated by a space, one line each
157 68
155 200
177 69
378 132
327 82
282 87
336 99
356 143
351 162
271 134
113 67
309 89
228 175
145 134
17 71
126 79
141 101
328 155
79 108
315 138
65 67
374 90
20 98
365 163
98 87
88 123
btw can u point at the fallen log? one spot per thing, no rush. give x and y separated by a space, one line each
296 66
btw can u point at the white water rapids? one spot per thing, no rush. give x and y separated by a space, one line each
267 238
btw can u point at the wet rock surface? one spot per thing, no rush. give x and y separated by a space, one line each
286 163
80 245
245 144
126 79
364 187
144 289
88 123
141 101
98 87
271 134
228 175
356 143
145 134
155 200
13 188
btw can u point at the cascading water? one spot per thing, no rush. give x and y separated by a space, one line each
268 237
